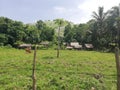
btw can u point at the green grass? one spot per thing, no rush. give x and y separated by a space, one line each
74 70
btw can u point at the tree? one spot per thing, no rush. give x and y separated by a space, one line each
100 26
32 34
13 30
41 27
115 19
79 33
47 33
68 33
16 30
60 22
3 39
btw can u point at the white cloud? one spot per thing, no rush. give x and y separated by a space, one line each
87 8
88 5
59 9
108 4
92 5
79 14
77 11
82 12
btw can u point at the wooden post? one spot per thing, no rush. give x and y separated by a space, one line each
34 66
117 67
58 42
119 28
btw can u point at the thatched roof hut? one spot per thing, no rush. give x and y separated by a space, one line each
44 43
69 47
89 46
25 45
76 45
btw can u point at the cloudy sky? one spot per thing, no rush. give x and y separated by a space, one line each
29 11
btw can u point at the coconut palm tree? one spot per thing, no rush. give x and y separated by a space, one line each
100 26
100 18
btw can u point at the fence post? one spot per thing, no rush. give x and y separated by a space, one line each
33 73
58 49
117 67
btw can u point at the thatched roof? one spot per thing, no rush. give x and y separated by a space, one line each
76 45
44 43
25 45
89 46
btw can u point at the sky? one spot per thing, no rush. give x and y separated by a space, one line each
30 11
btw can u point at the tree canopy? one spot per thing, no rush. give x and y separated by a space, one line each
101 31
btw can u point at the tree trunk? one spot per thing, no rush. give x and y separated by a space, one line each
58 43
117 67
57 53
34 65
119 28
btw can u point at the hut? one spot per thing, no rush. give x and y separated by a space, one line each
22 46
27 47
89 46
45 43
69 47
76 45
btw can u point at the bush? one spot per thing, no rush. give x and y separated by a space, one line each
16 44
1 44
8 46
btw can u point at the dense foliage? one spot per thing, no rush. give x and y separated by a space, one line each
102 31
15 32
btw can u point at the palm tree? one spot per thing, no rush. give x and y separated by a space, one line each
60 22
100 18
100 25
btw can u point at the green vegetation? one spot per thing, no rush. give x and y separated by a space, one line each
74 70
102 31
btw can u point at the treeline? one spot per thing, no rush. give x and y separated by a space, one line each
15 32
102 31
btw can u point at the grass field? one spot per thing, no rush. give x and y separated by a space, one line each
74 70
